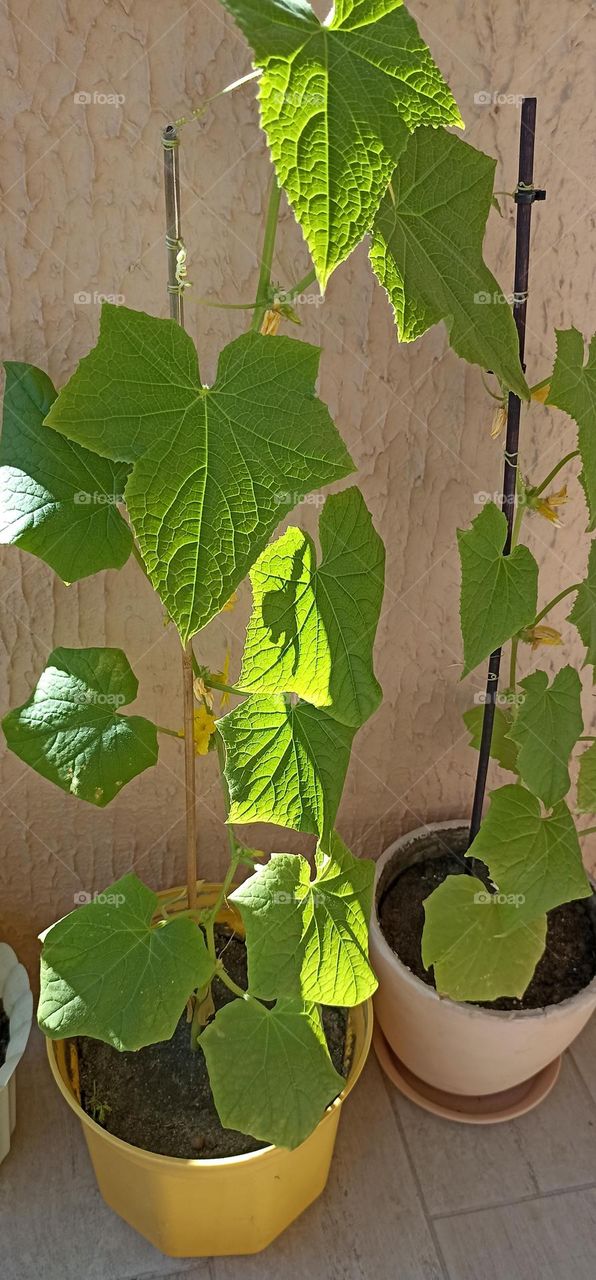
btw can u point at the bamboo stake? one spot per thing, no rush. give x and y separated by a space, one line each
175 248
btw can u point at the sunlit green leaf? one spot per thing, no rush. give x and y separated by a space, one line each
108 971
427 253
217 468
586 786
71 731
338 102
312 628
308 938
285 763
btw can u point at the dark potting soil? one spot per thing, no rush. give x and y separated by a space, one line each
159 1098
569 961
4 1034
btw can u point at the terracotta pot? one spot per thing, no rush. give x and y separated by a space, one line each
455 1047
16 997
204 1208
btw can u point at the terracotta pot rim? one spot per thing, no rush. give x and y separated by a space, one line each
360 1025
465 1010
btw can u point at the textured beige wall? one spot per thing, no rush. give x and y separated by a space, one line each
82 212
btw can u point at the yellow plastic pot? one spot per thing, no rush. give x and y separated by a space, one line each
206 1208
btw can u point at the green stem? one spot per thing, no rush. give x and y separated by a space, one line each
309 278
587 737
513 664
587 831
517 525
268 251
230 984
229 88
545 381
172 733
536 490
555 600
211 683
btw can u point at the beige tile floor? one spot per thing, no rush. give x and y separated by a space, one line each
411 1197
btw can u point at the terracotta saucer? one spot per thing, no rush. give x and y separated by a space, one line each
492 1108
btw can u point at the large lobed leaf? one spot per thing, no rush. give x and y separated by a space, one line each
338 102
308 938
480 948
546 729
57 500
583 613
285 763
498 593
216 469
536 858
427 253
269 1069
70 730
573 389
109 972
312 627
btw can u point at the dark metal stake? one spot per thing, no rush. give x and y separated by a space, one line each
171 172
525 196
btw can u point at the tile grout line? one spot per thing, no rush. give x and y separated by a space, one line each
512 1204
580 1075
417 1183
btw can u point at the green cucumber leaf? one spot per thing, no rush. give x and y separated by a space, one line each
70 729
547 726
313 627
586 785
498 593
480 948
338 102
285 764
109 972
57 500
308 938
573 389
537 859
502 749
269 1069
217 468
427 253
583 613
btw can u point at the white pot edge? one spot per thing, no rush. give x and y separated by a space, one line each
16 996
428 993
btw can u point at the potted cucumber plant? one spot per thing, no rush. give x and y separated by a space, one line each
485 948
207 1035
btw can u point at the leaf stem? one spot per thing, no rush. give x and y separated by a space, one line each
229 88
222 973
268 251
575 586
587 831
172 733
309 278
536 490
